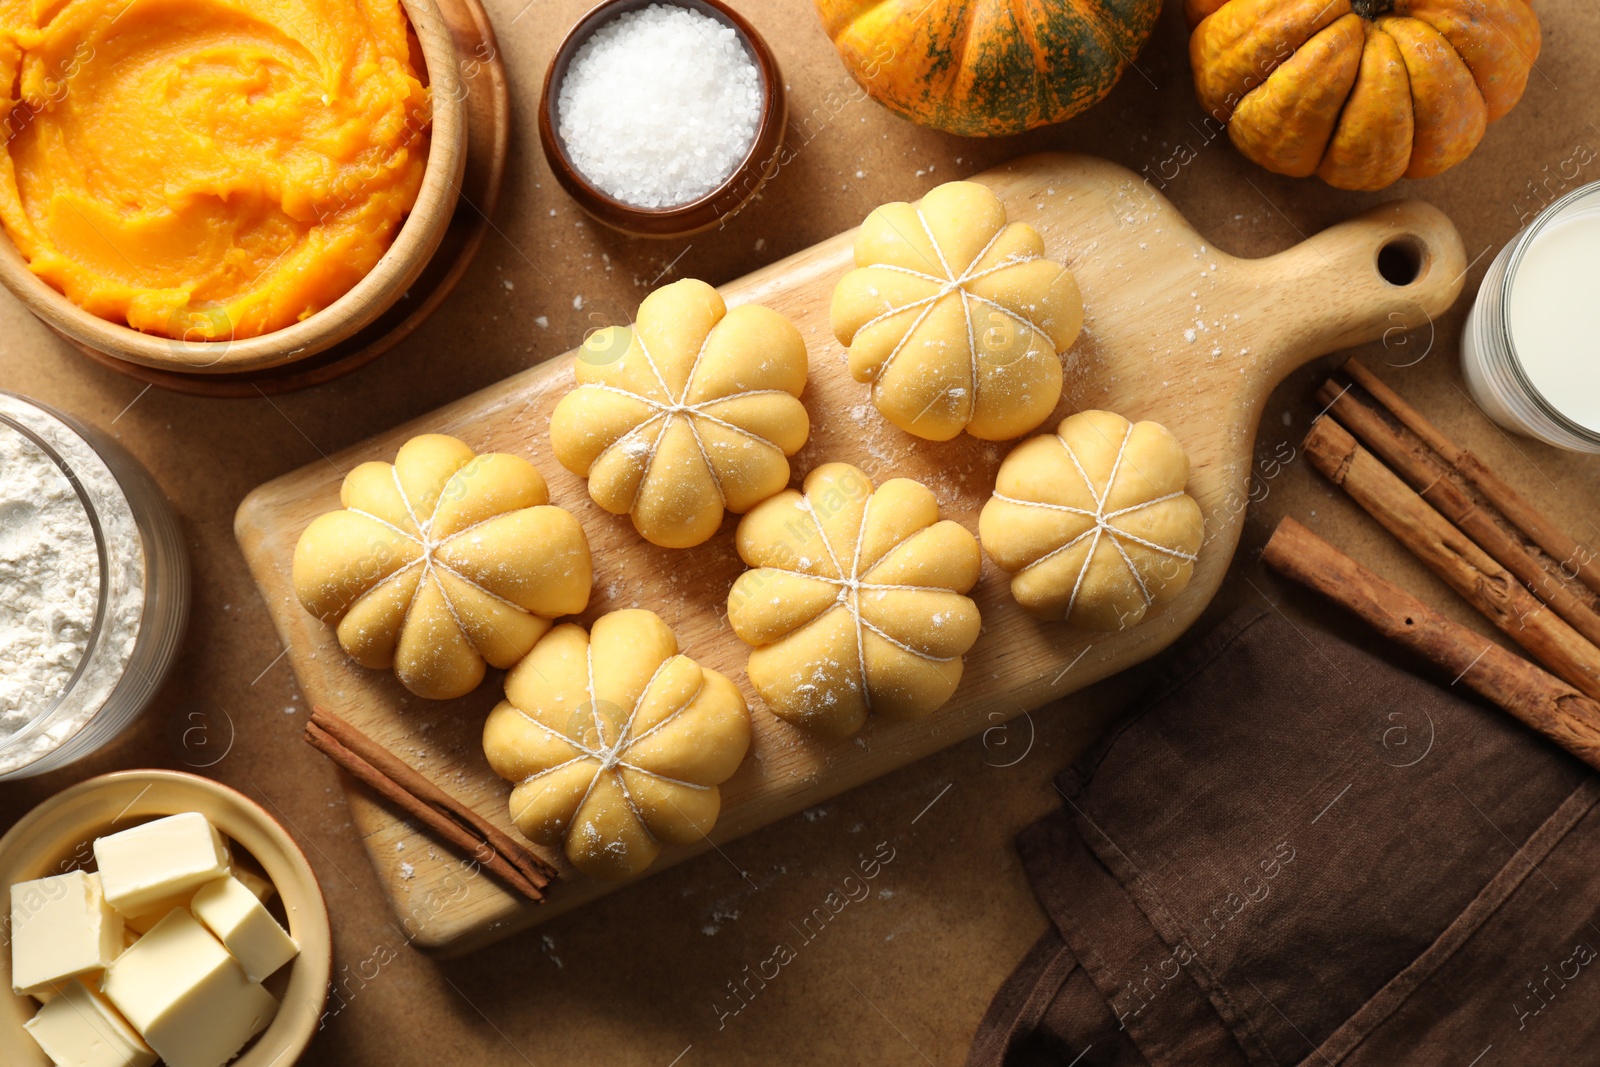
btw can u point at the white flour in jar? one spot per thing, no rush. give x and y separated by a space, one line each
49 581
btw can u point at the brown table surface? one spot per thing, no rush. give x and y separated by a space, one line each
903 976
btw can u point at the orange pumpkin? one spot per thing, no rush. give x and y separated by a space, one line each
983 68
1360 92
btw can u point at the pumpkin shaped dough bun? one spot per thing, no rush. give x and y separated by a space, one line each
441 562
1093 521
856 601
693 412
617 743
956 317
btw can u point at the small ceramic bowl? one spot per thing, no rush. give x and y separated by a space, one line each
716 206
59 834
413 246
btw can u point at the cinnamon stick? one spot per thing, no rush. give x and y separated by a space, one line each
1427 473
418 785
1454 557
451 831
1576 559
386 787
1538 699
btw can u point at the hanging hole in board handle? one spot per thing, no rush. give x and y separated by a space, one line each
1401 260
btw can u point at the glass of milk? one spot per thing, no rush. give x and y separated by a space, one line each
1531 349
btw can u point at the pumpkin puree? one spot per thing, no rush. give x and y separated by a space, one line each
208 169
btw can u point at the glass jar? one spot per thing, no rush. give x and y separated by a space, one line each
142 604
1532 402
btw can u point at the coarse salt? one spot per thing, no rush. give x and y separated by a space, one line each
660 106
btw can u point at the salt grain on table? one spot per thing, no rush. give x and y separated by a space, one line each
660 106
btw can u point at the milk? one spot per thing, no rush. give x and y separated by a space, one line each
1553 316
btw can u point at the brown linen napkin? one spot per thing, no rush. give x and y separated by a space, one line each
1291 852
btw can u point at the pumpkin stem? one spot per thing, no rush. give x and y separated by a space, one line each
1371 9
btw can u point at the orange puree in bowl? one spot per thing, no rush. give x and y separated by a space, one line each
208 169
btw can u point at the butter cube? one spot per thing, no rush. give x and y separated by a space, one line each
186 996
141 923
60 927
160 863
229 910
80 1029
258 884
144 920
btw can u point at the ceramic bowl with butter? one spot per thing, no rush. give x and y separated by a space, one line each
249 940
245 219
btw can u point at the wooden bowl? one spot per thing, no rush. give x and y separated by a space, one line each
413 246
59 834
717 206
487 100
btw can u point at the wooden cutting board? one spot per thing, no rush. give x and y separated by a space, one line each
1175 331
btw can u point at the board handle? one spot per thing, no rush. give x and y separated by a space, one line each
1377 276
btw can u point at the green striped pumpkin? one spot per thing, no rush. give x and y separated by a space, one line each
986 68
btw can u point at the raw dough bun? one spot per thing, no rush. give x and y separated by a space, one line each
693 411
617 743
1093 521
955 317
856 601
441 561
